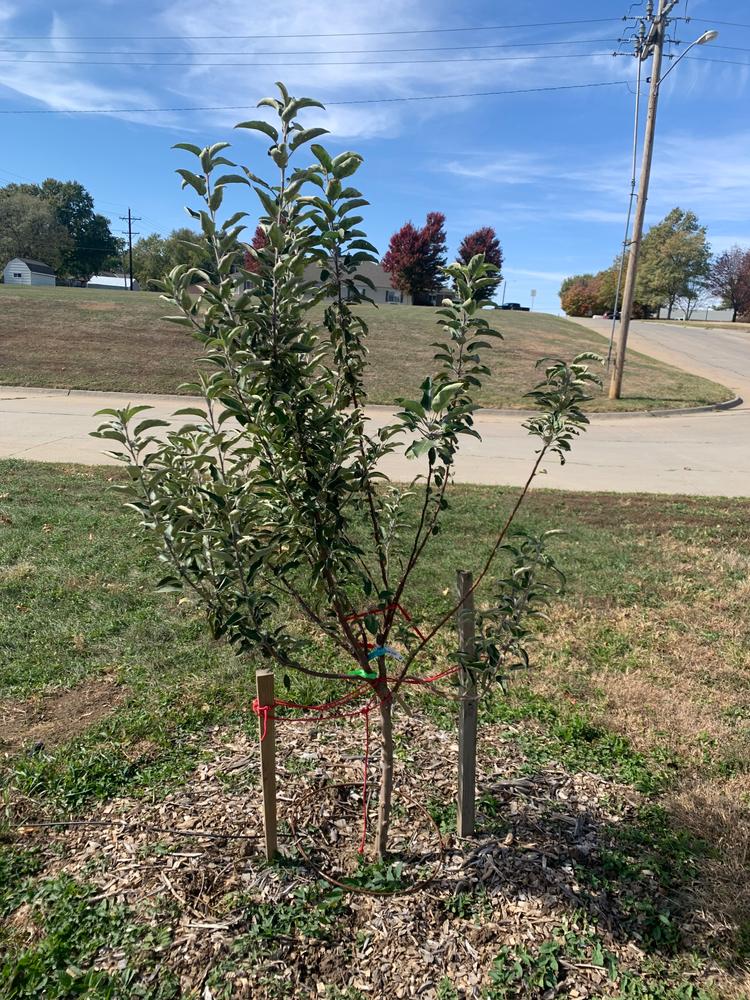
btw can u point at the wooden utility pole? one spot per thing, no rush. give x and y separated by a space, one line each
266 700
467 718
130 220
654 45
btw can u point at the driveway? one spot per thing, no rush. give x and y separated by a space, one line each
718 354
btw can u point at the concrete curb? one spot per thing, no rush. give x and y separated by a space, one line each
728 404
9 392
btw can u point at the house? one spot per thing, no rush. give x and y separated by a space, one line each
23 271
384 291
112 281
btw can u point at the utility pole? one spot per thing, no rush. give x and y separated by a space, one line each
130 234
653 46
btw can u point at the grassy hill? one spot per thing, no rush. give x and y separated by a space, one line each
82 339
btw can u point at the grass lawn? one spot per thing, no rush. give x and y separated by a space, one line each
615 793
82 339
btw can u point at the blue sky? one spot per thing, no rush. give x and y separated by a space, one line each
548 170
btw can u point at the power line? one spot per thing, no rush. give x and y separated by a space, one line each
331 34
728 24
727 62
310 52
340 62
369 100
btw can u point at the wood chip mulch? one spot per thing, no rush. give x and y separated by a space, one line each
513 884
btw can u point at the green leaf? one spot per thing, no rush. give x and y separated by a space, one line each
146 425
191 411
260 126
192 180
322 155
306 135
444 395
189 146
419 448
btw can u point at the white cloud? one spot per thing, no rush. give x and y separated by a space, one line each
390 74
720 242
520 272
62 87
511 168
7 12
710 178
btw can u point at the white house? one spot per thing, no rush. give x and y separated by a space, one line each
22 271
111 281
384 290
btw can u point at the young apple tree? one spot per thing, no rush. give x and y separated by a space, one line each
256 504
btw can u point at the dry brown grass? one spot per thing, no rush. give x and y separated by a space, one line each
718 812
672 674
119 341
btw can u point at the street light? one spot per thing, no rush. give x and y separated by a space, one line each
707 36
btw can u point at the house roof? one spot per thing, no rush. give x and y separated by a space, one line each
106 279
35 265
371 270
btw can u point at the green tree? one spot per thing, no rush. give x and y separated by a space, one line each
92 245
185 246
154 255
273 491
150 259
29 228
674 261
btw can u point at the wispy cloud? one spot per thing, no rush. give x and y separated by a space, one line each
712 179
520 272
352 72
515 168
65 88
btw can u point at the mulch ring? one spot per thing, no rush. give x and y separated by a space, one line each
240 927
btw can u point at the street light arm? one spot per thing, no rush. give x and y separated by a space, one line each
707 36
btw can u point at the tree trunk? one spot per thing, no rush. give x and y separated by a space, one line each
386 763
669 309
734 314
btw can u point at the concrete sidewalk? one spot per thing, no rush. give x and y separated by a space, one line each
706 454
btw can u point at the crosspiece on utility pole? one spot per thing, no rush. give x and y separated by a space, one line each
130 234
467 718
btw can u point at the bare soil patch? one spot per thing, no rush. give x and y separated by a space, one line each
51 719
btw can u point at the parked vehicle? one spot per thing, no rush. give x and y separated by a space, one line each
515 306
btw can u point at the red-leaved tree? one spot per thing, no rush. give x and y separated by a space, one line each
484 241
730 278
415 257
259 241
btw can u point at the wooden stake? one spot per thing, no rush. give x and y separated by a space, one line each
467 716
266 700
